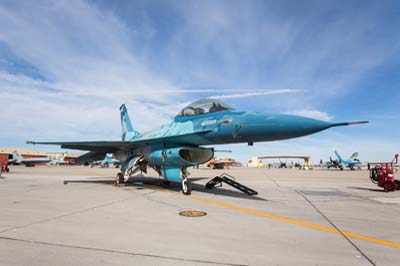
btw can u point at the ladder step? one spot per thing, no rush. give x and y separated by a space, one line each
226 179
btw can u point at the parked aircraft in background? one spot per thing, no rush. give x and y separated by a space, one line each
105 163
58 162
222 163
353 162
173 147
29 162
108 159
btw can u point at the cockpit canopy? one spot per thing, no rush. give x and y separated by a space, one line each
204 106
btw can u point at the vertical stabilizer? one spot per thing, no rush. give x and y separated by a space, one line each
16 157
338 156
354 156
128 132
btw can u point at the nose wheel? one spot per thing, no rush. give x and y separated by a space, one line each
186 187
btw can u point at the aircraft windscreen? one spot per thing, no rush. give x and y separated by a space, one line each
204 106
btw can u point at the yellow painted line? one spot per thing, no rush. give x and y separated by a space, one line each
282 219
293 221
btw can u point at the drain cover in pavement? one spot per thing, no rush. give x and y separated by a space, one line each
192 213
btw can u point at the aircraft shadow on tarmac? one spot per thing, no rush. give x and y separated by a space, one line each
139 181
368 189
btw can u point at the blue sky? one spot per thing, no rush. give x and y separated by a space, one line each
66 66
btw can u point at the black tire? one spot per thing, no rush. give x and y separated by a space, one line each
388 186
186 187
374 175
397 184
166 182
119 179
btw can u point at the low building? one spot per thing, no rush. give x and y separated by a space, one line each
6 154
222 163
257 161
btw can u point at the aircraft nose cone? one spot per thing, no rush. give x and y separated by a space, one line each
264 127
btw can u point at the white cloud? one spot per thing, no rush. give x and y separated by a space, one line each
312 114
272 45
78 48
88 68
254 94
89 64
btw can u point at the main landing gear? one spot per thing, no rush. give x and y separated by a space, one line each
119 179
129 168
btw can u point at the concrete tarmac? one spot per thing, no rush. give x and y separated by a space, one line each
318 217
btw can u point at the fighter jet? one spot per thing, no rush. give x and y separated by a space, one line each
108 159
179 144
353 162
29 162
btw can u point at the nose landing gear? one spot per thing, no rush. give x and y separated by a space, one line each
186 186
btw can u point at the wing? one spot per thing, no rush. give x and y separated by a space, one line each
114 146
100 146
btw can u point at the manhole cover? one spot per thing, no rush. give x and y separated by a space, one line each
192 213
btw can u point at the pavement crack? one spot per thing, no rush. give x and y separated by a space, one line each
119 252
276 183
66 214
273 180
337 228
148 197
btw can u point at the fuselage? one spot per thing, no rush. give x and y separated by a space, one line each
231 126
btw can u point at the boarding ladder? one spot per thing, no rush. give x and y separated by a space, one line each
230 180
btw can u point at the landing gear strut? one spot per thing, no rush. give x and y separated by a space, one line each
186 186
130 167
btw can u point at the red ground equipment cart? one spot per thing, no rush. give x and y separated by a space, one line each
382 174
4 168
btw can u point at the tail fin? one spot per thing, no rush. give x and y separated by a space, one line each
354 156
395 159
128 132
338 156
16 157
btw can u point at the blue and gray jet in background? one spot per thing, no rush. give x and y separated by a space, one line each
353 162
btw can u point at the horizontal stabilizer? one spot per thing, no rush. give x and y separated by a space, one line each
90 157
